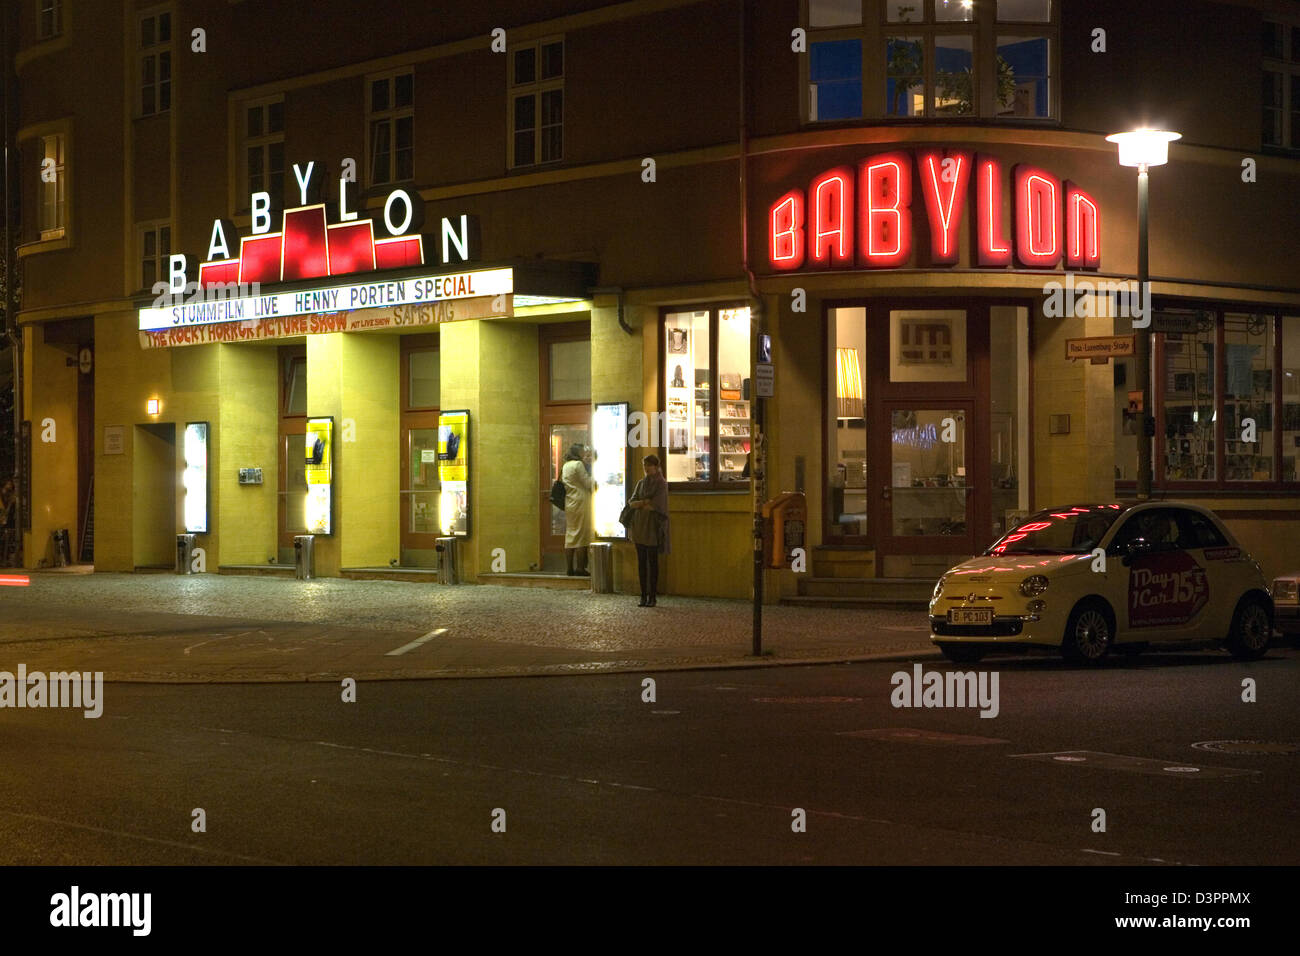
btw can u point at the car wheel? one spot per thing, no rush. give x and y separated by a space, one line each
1251 630
1088 634
962 653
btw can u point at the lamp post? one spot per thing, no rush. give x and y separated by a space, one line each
1143 148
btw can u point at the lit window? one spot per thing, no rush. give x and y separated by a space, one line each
54 187
537 103
264 149
49 18
155 63
391 119
707 400
927 61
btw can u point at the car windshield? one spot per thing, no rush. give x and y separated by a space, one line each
1065 531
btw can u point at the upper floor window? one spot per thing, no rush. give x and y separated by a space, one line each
537 103
155 244
264 149
1281 93
155 63
390 111
54 192
931 58
49 18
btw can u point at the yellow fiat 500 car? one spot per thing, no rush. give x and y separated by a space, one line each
1089 578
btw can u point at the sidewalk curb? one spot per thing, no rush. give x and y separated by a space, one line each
578 669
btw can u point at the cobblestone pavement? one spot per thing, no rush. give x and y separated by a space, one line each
228 627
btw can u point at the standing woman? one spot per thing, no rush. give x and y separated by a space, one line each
578 490
649 529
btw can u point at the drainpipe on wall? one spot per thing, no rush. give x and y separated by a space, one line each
615 291
758 462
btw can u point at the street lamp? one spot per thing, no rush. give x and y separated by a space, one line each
1143 148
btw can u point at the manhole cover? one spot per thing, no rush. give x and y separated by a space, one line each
1248 746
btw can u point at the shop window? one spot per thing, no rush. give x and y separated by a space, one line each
155 244
54 189
1188 403
536 100
155 63
49 18
848 446
569 371
264 149
920 58
1281 87
1008 447
1248 397
1227 388
390 114
706 376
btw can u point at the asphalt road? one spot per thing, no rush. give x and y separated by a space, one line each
710 772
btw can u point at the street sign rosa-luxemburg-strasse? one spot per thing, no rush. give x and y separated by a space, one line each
1099 348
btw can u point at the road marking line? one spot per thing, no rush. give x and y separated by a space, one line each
417 642
192 847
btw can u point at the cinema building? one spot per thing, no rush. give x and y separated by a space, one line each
450 261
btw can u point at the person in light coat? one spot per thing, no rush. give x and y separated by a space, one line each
579 493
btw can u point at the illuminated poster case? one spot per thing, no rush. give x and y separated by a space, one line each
319 452
195 480
609 441
453 472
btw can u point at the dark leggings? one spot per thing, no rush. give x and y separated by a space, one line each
647 567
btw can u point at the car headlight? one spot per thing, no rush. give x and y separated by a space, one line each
1034 585
1284 589
938 586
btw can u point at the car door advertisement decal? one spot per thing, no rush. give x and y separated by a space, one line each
1166 589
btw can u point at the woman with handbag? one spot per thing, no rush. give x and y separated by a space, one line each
649 527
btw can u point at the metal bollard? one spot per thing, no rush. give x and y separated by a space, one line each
185 554
448 560
601 565
304 557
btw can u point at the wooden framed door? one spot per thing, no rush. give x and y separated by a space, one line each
565 419
419 486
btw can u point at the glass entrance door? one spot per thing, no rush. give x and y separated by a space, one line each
926 496
564 363
420 486
292 482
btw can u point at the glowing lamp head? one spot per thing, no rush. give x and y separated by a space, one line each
1143 147
153 406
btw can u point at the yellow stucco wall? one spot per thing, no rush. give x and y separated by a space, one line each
490 368
355 379
1078 466
247 438
50 389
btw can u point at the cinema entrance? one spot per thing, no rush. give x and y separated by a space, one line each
926 428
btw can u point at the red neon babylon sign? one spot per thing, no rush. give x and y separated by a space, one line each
864 218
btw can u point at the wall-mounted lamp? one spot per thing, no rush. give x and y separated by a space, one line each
153 406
